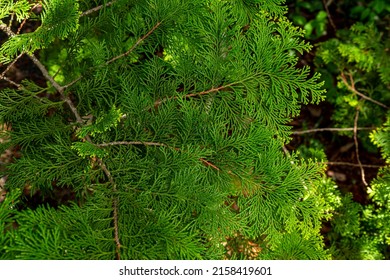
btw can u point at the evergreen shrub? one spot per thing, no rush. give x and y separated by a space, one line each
164 122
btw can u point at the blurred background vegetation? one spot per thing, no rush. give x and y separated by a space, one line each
352 52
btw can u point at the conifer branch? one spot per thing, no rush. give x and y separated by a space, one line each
101 163
77 115
115 203
139 41
59 88
352 88
357 147
90 11
210 90
159 102
156 144
133 143
299 132
25 20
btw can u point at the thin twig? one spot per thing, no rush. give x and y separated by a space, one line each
115 205
96 9
10 65
11 20
357 147
353 89
139 41
159 102
7 30
72 82
351 164
328 13
59 88
299 132
25 20
12 82
132 143
207 163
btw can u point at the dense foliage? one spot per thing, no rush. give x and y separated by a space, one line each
166 120
157 130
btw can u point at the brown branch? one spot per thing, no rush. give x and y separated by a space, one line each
139 41
352 88
12 82
10 65
115 203
25 20
326 5
132 143
72 82
159 102
299 132
210 90
7 30
351 164
357 147
97 8
207 163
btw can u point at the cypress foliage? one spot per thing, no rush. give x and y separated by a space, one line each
165 119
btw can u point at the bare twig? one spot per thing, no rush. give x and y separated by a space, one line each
139 41
351 164
352 88
12 82
7 30
11 20
299 132
326 6
357 147
10 65
97 8
72 82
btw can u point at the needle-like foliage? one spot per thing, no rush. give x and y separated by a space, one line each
164 121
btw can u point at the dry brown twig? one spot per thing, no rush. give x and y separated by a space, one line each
351 164
90 11
326 6
139 41
357 147
299 132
